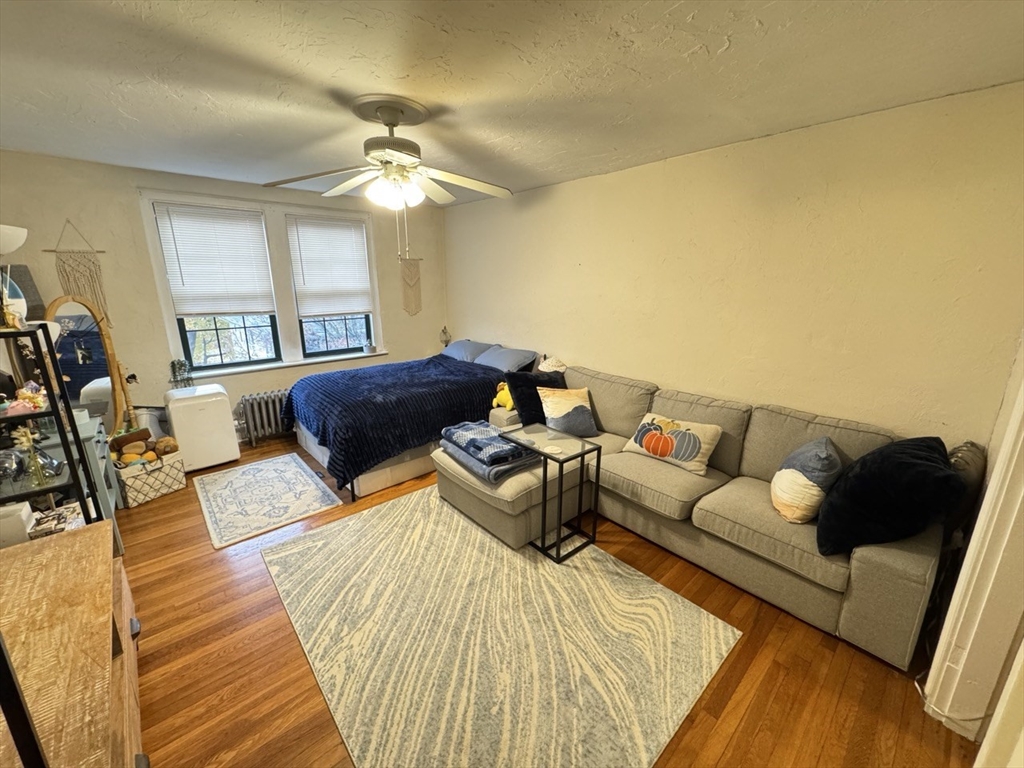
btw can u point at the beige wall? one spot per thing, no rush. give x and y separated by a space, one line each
1002 423
871 268
40 192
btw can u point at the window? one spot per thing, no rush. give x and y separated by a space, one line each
213 340
331 274
261 283
332 334
218 270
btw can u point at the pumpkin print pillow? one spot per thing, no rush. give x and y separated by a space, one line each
683 443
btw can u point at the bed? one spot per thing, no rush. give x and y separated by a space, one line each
367 416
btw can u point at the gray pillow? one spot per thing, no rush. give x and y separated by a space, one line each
466 350
505 359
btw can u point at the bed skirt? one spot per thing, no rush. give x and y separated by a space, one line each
402 467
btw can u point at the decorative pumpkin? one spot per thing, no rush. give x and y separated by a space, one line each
659 444
130 458
150 456
643 431
687 445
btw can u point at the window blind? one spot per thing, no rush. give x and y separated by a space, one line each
216 258
329 266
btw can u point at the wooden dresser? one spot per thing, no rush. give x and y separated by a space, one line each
68 619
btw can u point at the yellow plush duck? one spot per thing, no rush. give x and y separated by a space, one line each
503 399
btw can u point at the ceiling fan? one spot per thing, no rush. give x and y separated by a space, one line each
399 179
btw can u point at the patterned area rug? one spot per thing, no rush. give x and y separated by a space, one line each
436 645
246 501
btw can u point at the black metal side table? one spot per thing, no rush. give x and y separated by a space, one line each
562 449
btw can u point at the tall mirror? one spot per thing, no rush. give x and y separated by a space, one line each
87 360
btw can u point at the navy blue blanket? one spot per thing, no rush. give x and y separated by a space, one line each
369 415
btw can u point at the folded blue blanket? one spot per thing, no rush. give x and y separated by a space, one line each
493 474
483 442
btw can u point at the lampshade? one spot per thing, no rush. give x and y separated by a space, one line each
413 194
11 238
395 192
387 193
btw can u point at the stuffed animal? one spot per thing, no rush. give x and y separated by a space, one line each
165 445
504 398
138 448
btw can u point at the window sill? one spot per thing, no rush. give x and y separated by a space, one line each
218 373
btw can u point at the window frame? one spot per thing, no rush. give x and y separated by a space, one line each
289 329
368 319
187 350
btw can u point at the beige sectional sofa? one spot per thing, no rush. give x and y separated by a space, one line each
725 522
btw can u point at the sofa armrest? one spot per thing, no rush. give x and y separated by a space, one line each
500 417
888 593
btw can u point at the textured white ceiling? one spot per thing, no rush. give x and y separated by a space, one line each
525 94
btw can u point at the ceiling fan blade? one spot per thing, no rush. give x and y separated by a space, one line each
464 181
317 175
352 183
433 190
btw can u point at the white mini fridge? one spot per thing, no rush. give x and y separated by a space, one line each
200 420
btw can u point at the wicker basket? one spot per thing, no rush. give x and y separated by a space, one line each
140 483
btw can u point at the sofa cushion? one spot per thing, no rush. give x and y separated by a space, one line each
610 444
731 416
741 512
618 403
661 487
501 417
775 432
513 495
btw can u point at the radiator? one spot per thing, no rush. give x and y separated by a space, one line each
262 414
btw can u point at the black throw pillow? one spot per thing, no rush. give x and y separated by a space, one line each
523 388
889 494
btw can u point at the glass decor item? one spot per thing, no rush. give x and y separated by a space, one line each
35 469
15 307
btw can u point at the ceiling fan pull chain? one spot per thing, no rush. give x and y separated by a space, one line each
405 213
398 237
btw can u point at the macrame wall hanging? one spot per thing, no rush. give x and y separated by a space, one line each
79 270
412 300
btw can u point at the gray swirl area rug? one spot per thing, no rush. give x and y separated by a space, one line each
436 645
245 501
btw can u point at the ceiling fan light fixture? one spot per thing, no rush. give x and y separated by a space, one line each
386 192
412 193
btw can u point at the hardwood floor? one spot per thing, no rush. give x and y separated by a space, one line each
224 681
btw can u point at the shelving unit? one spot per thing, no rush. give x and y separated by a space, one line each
76 476
101 469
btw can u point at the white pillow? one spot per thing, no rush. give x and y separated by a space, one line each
551 364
